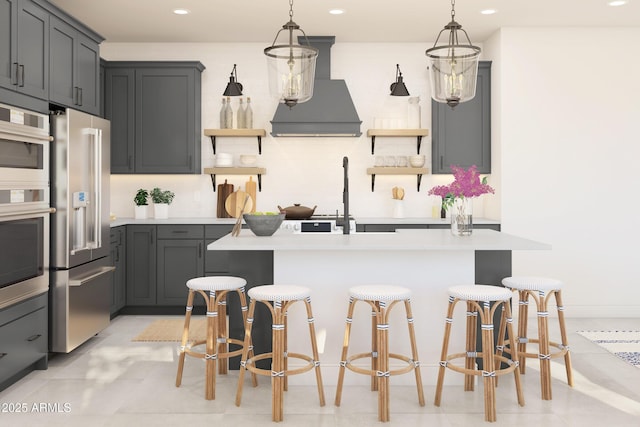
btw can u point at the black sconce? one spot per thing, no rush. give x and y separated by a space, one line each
234 88
398 88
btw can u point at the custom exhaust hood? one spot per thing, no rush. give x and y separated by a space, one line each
330 112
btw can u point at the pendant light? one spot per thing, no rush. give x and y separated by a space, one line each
453 67
398 88
234 88
292 67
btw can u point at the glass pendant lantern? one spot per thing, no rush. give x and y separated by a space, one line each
291 67
453 67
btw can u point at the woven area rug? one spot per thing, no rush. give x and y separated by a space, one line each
171 330
624 344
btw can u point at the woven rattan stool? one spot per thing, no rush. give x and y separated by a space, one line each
279 298
479 299
381 298
540 289
214 290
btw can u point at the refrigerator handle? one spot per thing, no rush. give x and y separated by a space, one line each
97 186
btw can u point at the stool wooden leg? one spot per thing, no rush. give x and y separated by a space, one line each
221 330
245 350
544 353
511 337
185 337
414 352
472 339
382 372
277 363
375 343
345 350
445 349
211 356
314 349
563 337
523 313
488 363
244 309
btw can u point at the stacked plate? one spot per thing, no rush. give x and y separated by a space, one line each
224 160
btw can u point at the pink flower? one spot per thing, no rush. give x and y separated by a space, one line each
466 183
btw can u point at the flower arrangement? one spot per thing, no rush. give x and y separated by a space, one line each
466 184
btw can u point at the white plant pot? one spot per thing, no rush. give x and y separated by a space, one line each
161 210
141 212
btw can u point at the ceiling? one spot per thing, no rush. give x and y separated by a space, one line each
363 20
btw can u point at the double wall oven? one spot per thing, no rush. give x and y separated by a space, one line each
24 204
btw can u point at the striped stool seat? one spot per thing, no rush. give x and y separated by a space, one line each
214 290
482 301
540 289
381 299
278 299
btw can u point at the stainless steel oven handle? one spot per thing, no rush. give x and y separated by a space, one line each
22 213
87 279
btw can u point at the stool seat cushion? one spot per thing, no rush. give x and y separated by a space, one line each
216 283
480 293
279 293
532 283
380 293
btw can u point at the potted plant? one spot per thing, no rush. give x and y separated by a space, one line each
140 200
161 201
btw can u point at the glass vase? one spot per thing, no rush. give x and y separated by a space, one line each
462 216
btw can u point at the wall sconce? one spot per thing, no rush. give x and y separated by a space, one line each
292 67
453 67
234 88
398 88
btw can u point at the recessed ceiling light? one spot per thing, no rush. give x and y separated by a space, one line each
181 11
336 11
617 3
488 11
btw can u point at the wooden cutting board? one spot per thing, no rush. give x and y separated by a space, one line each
235 201
250 187
223 193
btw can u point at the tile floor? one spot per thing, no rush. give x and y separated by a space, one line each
111 381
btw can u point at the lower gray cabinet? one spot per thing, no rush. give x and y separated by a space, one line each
141 265
23 339
180 257
118 254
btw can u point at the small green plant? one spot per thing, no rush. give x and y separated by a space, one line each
160 196
141 197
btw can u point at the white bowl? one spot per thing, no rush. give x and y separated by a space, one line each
248 159
417 161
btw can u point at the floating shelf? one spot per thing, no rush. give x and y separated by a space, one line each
396 171
418 133
235 171
235 133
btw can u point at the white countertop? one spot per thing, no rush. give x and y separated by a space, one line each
401 240
418 220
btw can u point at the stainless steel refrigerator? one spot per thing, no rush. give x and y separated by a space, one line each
80 288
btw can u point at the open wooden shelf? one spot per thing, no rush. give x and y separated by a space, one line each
418 133
237 133
396 171
235 171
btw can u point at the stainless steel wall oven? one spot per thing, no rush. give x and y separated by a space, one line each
24 204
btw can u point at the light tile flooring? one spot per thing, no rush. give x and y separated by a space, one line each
111 381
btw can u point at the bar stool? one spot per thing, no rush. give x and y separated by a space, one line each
279 299
479 299
214 290
540 289
382 299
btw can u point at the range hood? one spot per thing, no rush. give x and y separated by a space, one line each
330 112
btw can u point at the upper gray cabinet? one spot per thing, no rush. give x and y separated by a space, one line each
74 68
462 136
24 48
155 110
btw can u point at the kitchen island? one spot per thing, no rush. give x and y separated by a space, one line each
427 261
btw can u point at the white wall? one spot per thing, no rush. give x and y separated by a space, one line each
569 154
563 148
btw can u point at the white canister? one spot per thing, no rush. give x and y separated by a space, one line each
413 116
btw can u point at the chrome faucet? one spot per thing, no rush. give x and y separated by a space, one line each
345 196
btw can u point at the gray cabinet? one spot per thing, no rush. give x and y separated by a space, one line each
141 265
180 257
74 68
462 136
155 110
23 339
118 255
24 48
